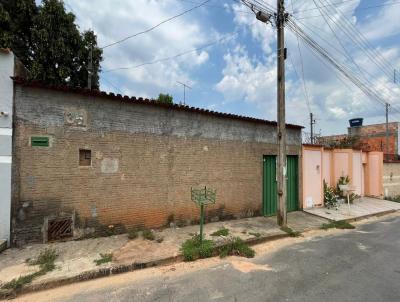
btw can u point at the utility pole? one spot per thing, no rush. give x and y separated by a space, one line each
387 131
184 91
312 123
90 68
280 22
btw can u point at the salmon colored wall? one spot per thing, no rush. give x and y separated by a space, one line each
375 170
326 167
364 169
357 179
312 177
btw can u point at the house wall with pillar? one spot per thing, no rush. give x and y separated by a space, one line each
6 113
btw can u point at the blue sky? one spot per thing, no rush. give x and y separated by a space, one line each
238 74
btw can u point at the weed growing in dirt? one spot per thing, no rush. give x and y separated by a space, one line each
133 233
257 235
291 232
221 232
104 258
337 225
148 235
193 248
236 247
45 261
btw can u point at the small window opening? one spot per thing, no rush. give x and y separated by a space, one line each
85 157
39 141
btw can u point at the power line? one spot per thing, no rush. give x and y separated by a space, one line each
302 72
217 6
157 25
173 57
358 8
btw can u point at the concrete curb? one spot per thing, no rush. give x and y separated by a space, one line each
370 215
114 270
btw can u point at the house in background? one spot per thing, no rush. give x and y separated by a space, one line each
373 138
86 160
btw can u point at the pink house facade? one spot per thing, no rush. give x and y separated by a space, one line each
323 164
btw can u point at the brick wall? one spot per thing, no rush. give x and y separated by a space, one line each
391 179
145 159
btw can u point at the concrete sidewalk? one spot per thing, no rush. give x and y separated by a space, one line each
75 260
361 208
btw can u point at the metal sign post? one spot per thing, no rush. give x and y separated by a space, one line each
203 197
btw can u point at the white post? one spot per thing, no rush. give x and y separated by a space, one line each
6 114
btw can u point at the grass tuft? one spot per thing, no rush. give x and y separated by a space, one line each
45 261
148 235
133 233
291 232
221 232
104 258
257 235
338 225
236 247
193 249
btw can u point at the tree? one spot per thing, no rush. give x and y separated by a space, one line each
165 99
48 42
17 20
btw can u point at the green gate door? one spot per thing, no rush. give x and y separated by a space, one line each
270 197
269 186
292 198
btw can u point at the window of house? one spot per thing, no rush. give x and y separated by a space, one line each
40 141
85 157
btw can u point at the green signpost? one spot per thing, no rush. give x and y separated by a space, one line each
203 197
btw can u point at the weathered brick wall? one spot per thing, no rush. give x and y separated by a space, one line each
391 179
144 161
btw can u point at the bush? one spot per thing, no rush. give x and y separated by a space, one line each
221 232
148 235
393 198
236 247
330 196
193 248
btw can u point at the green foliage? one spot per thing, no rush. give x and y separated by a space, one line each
194 248
291 232
165 99
104 258
236 247
47 41
337 225
330 196
221 232
148 235
393 198
45 260
133 233
255 234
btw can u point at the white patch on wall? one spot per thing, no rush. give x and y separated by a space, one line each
205 148
76 118
109 165
309 202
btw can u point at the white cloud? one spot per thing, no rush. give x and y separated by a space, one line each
332 101
114 20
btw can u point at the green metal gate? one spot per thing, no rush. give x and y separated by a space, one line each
270 196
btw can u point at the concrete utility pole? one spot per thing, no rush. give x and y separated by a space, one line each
280 22
387 131
90 68
312 122
184 91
